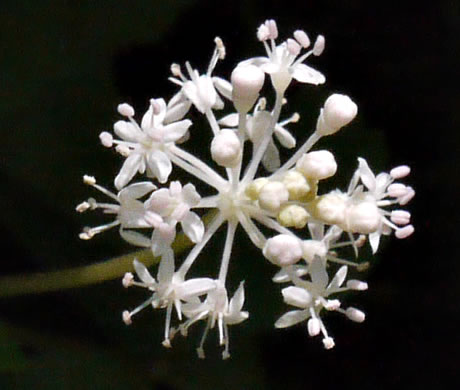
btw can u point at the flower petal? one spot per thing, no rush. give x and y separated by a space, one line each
128 170
193 227
135 238
306 74
271 159
176 130
291 318
366 175
166 268
195 287
137 190
318 273
143 273
297 296
338 278
223 86
230 120
374 240
237 301
159 165
284 137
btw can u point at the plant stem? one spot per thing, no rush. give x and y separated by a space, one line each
42 282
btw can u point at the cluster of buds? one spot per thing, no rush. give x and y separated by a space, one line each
308 227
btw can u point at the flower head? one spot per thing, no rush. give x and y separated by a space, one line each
280 206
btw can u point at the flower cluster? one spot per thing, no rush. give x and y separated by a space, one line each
308 227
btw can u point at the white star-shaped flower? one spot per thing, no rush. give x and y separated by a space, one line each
169 289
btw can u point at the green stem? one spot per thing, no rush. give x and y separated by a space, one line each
42 282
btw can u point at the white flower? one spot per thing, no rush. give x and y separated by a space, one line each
379 188
146 146
257 124
169 289
217 310
283 62
129 211
174 205
311 299
200 90
265 207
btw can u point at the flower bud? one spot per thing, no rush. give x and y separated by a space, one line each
253 189
339 110
362 218
273 195
317 165
293 216
226 148
330 209
296 184
247 81
283 250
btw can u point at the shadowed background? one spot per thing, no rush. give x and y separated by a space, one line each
64 67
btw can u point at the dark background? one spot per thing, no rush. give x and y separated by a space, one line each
65 65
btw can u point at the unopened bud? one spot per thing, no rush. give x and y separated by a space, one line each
339 110
293 216
273 195
317 165
283 250
247 81
226 148
253 189
296 184
330 208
